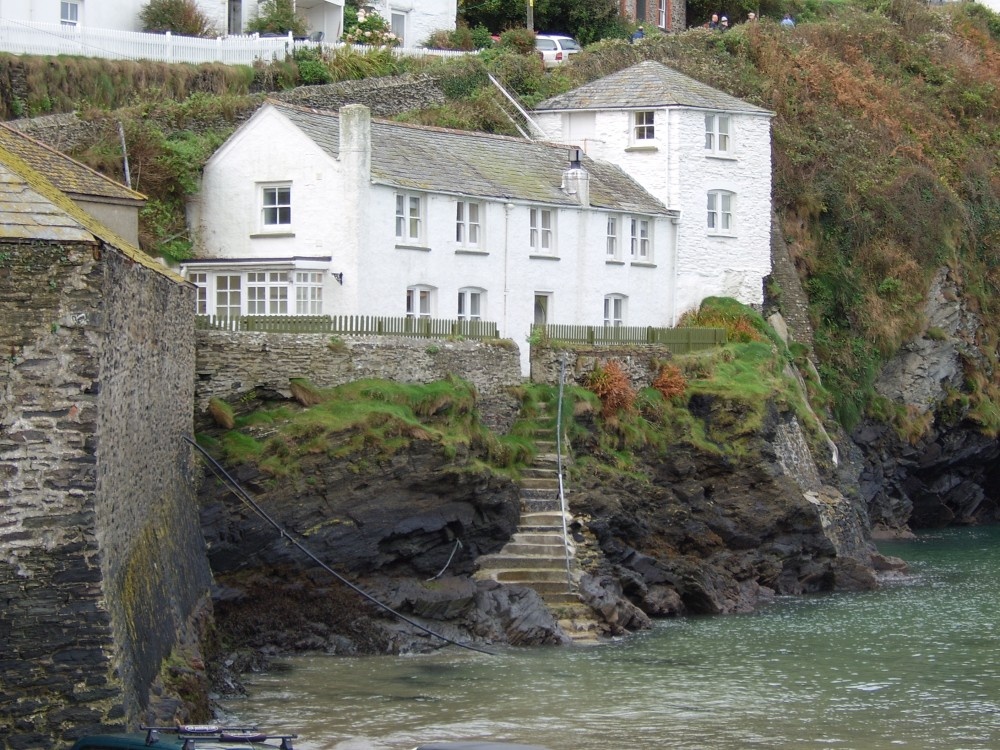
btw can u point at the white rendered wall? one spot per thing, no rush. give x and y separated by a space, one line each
423 17
676 168
107 14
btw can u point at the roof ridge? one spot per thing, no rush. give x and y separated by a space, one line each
411 125
38 182
56 152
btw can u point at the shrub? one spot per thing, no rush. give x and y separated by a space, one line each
520 40
670 381
372 30
277 17
176 16
611 385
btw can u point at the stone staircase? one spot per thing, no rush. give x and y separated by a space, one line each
537 554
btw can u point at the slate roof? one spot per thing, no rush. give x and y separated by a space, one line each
475 164
67 174
33 208
648 85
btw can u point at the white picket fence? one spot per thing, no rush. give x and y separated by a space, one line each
30 38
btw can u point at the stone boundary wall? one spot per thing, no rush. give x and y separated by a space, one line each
385 97
641 362
102 562
230 364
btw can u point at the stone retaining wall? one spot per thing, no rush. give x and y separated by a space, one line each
641 362
386 97
233 363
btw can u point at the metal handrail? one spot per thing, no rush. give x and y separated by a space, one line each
559 472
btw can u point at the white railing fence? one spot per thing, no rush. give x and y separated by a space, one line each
31 38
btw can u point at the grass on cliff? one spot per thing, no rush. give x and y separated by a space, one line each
367 420
728 395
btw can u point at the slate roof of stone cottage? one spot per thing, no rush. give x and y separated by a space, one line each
33 208
648 85
67 174
475 164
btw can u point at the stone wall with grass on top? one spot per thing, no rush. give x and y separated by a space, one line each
231 364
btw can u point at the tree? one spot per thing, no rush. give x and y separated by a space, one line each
587 20
176 16
277 17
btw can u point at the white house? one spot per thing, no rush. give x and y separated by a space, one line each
310 212
701 152
413 21
228 16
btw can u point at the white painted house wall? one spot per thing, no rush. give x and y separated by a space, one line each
338 211
418 19
228 16
111 14
677 169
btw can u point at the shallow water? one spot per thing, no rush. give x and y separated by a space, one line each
915 664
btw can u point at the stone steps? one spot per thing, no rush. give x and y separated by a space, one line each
536 555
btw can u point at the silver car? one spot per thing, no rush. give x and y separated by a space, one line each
556 49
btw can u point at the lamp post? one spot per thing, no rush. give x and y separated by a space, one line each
531 14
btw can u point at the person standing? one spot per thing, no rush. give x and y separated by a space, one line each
714 23
788 20
637 35
723 24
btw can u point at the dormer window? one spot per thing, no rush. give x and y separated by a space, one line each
717 134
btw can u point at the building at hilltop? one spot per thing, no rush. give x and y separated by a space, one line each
412 22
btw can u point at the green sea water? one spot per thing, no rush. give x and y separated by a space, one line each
914 665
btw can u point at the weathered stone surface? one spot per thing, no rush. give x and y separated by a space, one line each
949 474
101 559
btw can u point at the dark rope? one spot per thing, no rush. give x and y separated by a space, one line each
235 488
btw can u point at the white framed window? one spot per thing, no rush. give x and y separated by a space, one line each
308 293
614 310
229 296
639 238
720 212
200 281
409 217
419 302
717 129
661 13
397 25
467 227
267 293
69 13
614 243
276 206
542 230
643 126
470 303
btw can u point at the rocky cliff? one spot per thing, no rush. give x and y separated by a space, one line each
683 527
935 463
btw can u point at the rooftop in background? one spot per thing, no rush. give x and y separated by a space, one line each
67 174
647 85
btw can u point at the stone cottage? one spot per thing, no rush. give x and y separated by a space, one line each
102 565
